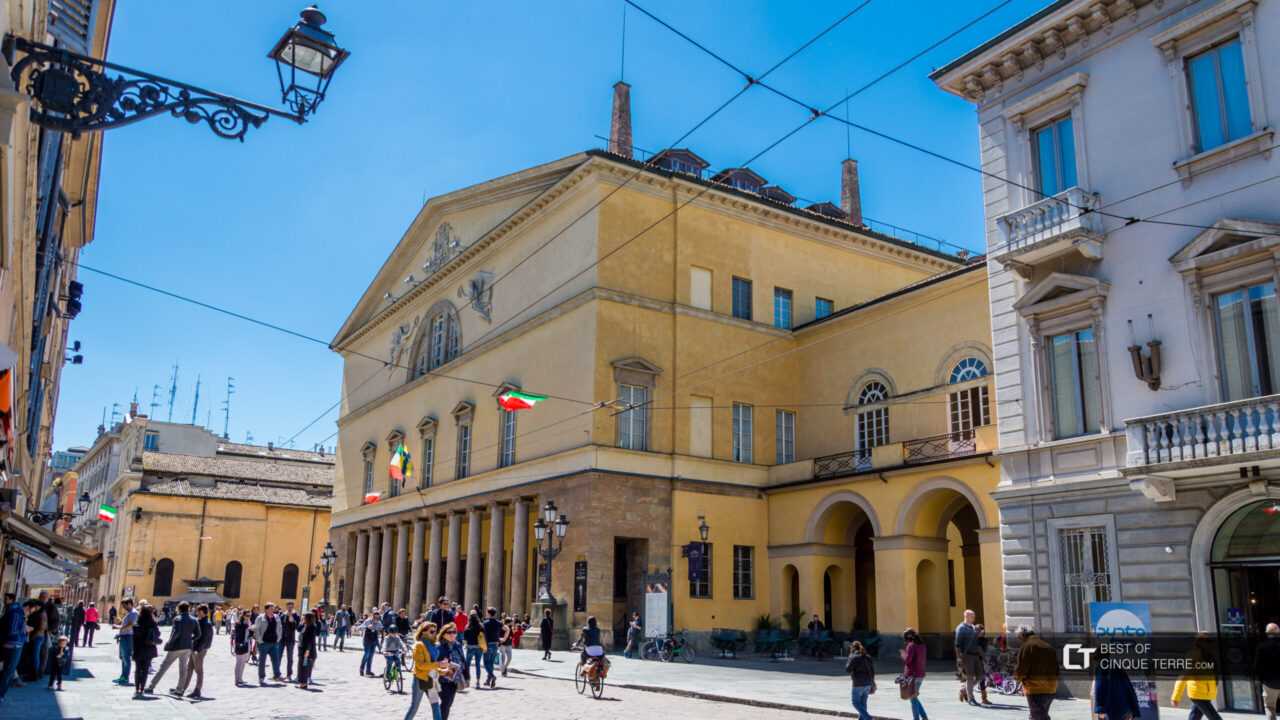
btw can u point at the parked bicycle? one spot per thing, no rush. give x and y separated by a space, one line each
674 646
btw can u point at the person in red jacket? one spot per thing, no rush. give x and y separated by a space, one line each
913 659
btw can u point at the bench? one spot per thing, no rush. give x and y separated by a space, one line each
775 643
728 641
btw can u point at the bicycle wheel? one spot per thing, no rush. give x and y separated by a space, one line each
399 684
649 651
686 653
386 678
597 687
579 680
665 653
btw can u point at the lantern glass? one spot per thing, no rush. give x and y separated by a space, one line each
84 502
539 530
549 512
308 47
562 525
703 530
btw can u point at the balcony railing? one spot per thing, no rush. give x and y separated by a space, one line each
841 463
1036 229
1211 431
911 452
939 447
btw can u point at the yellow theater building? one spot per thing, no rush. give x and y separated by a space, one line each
815 392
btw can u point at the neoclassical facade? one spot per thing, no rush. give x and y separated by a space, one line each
814 391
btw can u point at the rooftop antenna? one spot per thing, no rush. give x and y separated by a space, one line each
135 394
226 408
622 61
104 416
155 399
208 420
196 403
173 389
115 413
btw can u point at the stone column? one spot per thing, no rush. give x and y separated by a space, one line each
493 577
453 576
384 573
356 598
401 584
474 553
520 558
370 595
415 567
433 562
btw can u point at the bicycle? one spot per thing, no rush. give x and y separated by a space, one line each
652 649
392 673
675 646
591 674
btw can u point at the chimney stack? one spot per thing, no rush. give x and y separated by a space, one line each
133 409
620 124
850 194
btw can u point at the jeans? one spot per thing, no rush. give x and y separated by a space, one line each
366 662
474 652
1038 705
860 695
9 657
126 657
268 650
75 634
389 660
340 639
504 653
1203 708
490 656
448 691
418 694
89 630
183 658
917 709
39 649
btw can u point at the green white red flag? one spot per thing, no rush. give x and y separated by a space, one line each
516 400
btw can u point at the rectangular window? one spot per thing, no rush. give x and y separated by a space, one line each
782 308
823 307
633 423
742 433
428 460
701 588
1248 329
1055 156
1086 573
969 409
507 452
743 572
368 476
151 441
1075 383
700 288
1219 97
463 463
785 450
742 298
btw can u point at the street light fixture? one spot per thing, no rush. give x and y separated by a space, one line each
71 92
44 518
327 557
549 531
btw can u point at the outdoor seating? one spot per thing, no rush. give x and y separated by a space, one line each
728 641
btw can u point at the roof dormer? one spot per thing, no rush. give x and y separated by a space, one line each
777 194
828 209
740 178
681 160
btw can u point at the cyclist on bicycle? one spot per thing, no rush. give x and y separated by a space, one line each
592 648
393 647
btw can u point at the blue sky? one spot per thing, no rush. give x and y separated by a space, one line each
291 225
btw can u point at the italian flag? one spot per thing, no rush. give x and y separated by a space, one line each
401 468
106 512
371 497
516 400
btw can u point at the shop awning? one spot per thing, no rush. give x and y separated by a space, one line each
43 559
46 541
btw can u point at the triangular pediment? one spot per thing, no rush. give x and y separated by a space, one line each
394 439
637 364
1057 288
427 425
463 409
369 450
1227 238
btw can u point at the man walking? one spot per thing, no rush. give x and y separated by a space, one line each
492 629
969 655
198 652
77 624
633 636
182 640
442 613
289 623
341 626
1037 669
1266 668
267 632
125 638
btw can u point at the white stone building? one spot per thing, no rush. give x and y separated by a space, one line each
1128 477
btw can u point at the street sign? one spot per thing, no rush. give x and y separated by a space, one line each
655 610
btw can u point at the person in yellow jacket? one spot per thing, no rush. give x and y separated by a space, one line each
1199 685
426 677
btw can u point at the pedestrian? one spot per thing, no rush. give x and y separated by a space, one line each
505 644
441 614
91 618
473 637
633 636
1037 669
198 652
450 650
1112 694
517 632
112 615
59 658
388 618
146 636
13 635
545 629
426 672
77 623
322 630
492 629
1200 686
913 659
183 637
289 622
268 631
862 670
307 638
241 633
37 640
393 650
1266 668
984 646
461 618
124 639
968 656
370 629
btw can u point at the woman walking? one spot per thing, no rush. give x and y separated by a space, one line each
504 644
473 636
913 658
546 628
146 636
863 672
451 650
322 630
240 635
307 648
91 619
425 671
1201 686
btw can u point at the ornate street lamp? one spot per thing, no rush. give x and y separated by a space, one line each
703 529
44 518
327 558
549 531
71 92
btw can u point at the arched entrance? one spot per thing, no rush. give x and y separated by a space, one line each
844 525
791 586
949 510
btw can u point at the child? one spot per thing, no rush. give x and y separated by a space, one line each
57 662
392 649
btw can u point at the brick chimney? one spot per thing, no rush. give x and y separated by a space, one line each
850 194
620 124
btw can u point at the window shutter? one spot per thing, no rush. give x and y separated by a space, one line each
71 24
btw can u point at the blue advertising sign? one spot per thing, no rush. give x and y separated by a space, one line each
1127 621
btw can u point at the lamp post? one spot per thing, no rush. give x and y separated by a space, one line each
704 529
327 558
44 518
72 93
549 531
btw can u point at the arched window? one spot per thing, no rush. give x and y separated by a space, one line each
231 579
873 424
970 407
163 586
289 582
439 340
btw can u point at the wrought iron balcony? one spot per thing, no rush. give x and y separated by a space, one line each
939 447
1051 227
1203 435
842 463
911 452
